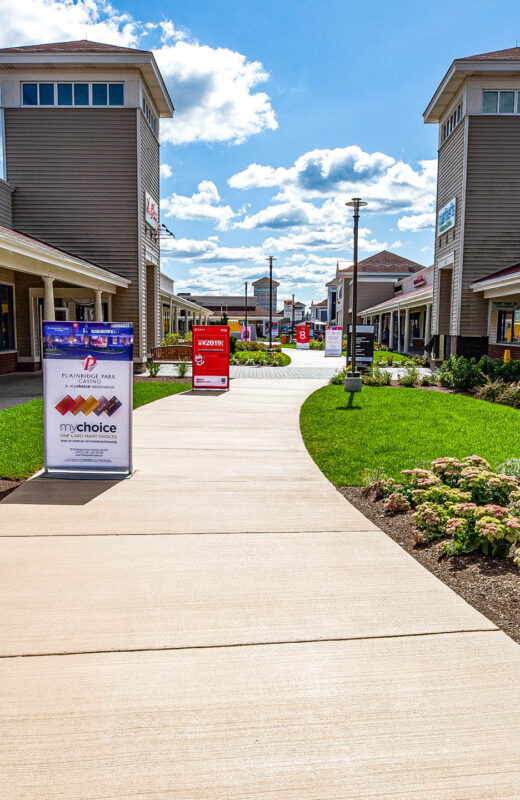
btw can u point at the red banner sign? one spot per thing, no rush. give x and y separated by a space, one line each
303 335
210 357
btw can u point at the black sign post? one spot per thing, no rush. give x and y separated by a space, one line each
364 345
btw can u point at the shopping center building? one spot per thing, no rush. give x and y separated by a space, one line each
476 286
79 194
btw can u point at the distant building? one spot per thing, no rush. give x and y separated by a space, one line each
319 311
377 275
403 322
234 307
261 292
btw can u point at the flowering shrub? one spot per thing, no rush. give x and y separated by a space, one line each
461 499
430 520
257 358
486 486
396 503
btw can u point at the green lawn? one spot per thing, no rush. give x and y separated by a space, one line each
379 355
21 429
397 428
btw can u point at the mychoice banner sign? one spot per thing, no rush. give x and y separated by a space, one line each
446 217
333 340
87 398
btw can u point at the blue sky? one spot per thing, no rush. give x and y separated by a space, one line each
284 111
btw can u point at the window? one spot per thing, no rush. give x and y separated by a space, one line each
115 94
73 94
30 94
150 116
500 102
46 94
81 94
99 94
508 331
64 94
452 122
6 318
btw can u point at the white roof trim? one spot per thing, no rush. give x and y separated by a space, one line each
30 248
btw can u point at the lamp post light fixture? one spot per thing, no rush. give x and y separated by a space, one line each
246 332
353 381
270 348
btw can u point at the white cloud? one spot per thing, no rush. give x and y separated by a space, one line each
166 171
203 205
417 222
35 21
208 250
214 90
388 185
396 245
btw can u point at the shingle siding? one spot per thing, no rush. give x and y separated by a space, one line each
74 173
492 229
450 178
150 182
6 211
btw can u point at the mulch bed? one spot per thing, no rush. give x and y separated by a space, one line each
7 486
161 379
492 586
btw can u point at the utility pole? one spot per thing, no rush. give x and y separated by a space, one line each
356 204
292 319
246 333
270 348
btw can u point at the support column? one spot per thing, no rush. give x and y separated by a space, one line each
170 326
428 323
48 299
406 342
380 329
176 311
391 331
398 330
98 307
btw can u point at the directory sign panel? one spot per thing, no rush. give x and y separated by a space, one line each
364 344
210 357
333 340
303 336
87 398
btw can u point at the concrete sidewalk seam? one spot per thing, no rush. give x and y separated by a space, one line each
228 645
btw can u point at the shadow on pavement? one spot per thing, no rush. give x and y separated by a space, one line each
58 492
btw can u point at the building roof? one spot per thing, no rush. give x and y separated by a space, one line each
79 46
424 271
397 300
505 62
509 54
16 242
264 282
385 262
512 270
82 53
321 303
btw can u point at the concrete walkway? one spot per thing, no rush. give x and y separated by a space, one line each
224 625
20 387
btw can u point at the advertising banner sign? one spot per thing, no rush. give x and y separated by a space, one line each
210 356
87 398
151 211
303 335
333 340
265 326
245 333
364 344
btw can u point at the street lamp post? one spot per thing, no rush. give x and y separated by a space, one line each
246 332
270 348
292 320
353 384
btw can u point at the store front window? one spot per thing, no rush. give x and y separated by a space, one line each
166 319
6 318
508 327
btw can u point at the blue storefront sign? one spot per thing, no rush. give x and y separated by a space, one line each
446 217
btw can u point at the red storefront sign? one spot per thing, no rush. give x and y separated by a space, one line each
210 356
303 336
